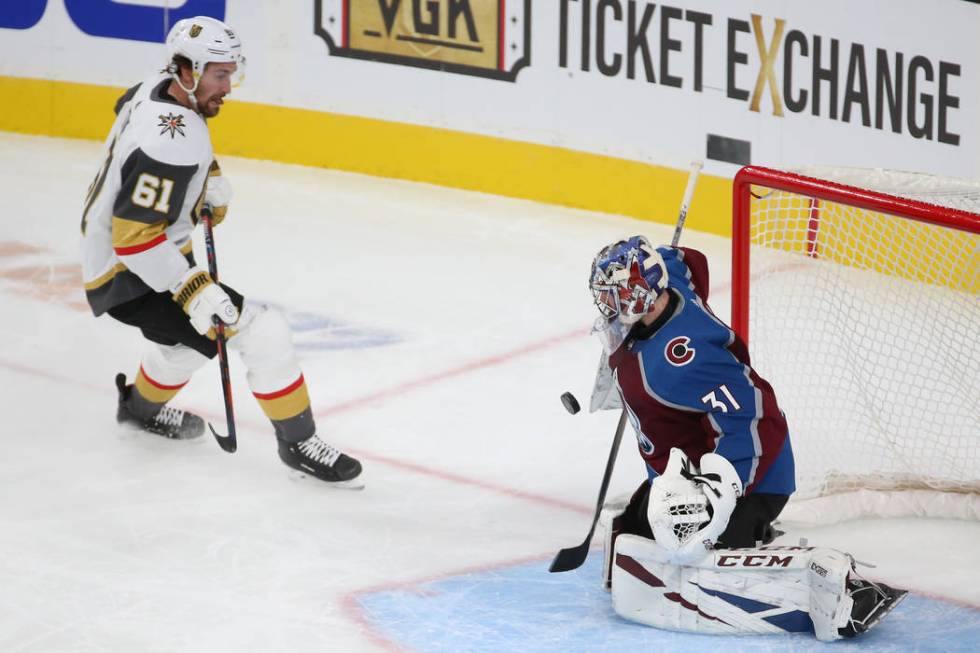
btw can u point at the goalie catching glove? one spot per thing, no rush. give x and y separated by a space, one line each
689 508
201 298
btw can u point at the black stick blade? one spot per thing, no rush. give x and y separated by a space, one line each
569 559
226 442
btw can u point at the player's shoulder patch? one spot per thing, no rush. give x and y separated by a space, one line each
172 124
678 351
172 134
669 381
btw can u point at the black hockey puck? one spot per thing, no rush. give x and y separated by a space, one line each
570 403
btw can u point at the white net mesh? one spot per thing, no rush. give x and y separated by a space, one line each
868 326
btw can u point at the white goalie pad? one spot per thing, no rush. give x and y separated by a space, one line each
609 522
605 390
765 590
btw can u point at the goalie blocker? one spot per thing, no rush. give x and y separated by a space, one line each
763 590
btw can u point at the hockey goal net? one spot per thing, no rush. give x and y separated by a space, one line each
857 293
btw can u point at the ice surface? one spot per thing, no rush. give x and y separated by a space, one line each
517 609
437 330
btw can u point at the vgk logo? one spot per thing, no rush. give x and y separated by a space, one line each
171 123
487 38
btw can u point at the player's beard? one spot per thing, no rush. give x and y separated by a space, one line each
210 106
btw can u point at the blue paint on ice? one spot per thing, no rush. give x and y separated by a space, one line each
524 608
313 332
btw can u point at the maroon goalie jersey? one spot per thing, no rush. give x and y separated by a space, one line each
686 382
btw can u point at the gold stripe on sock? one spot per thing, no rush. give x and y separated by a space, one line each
154 391
288 402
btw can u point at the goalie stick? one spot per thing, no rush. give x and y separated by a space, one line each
573 557
228 442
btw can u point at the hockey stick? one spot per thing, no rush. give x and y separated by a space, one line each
572 558
692 180
228 442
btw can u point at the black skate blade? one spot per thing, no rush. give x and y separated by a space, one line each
134 430
183 435
892 598
297 476
185 438
887 606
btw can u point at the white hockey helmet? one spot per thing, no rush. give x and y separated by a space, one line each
204 40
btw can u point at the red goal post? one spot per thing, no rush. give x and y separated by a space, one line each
844 292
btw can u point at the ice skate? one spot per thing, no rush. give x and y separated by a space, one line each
170 422
316 458
872 601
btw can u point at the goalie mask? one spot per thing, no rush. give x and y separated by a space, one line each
204 40
627 278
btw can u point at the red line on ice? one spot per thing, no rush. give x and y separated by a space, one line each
373 399
431 379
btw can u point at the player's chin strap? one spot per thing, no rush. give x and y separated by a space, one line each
174 71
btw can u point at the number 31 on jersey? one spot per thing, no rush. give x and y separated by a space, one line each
713 401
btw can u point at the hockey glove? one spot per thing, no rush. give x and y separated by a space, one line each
721 485
218 194
689 508
201 299
678 509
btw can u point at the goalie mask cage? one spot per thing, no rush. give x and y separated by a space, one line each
857 294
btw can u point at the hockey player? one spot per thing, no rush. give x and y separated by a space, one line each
687 383
719 462
158 173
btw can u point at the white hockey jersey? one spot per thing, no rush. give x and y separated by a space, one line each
143 204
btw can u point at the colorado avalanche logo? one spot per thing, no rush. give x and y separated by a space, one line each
677 351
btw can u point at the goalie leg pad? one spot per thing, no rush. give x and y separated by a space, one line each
611 519
724 592
830 604
265 344
620 516
765 590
